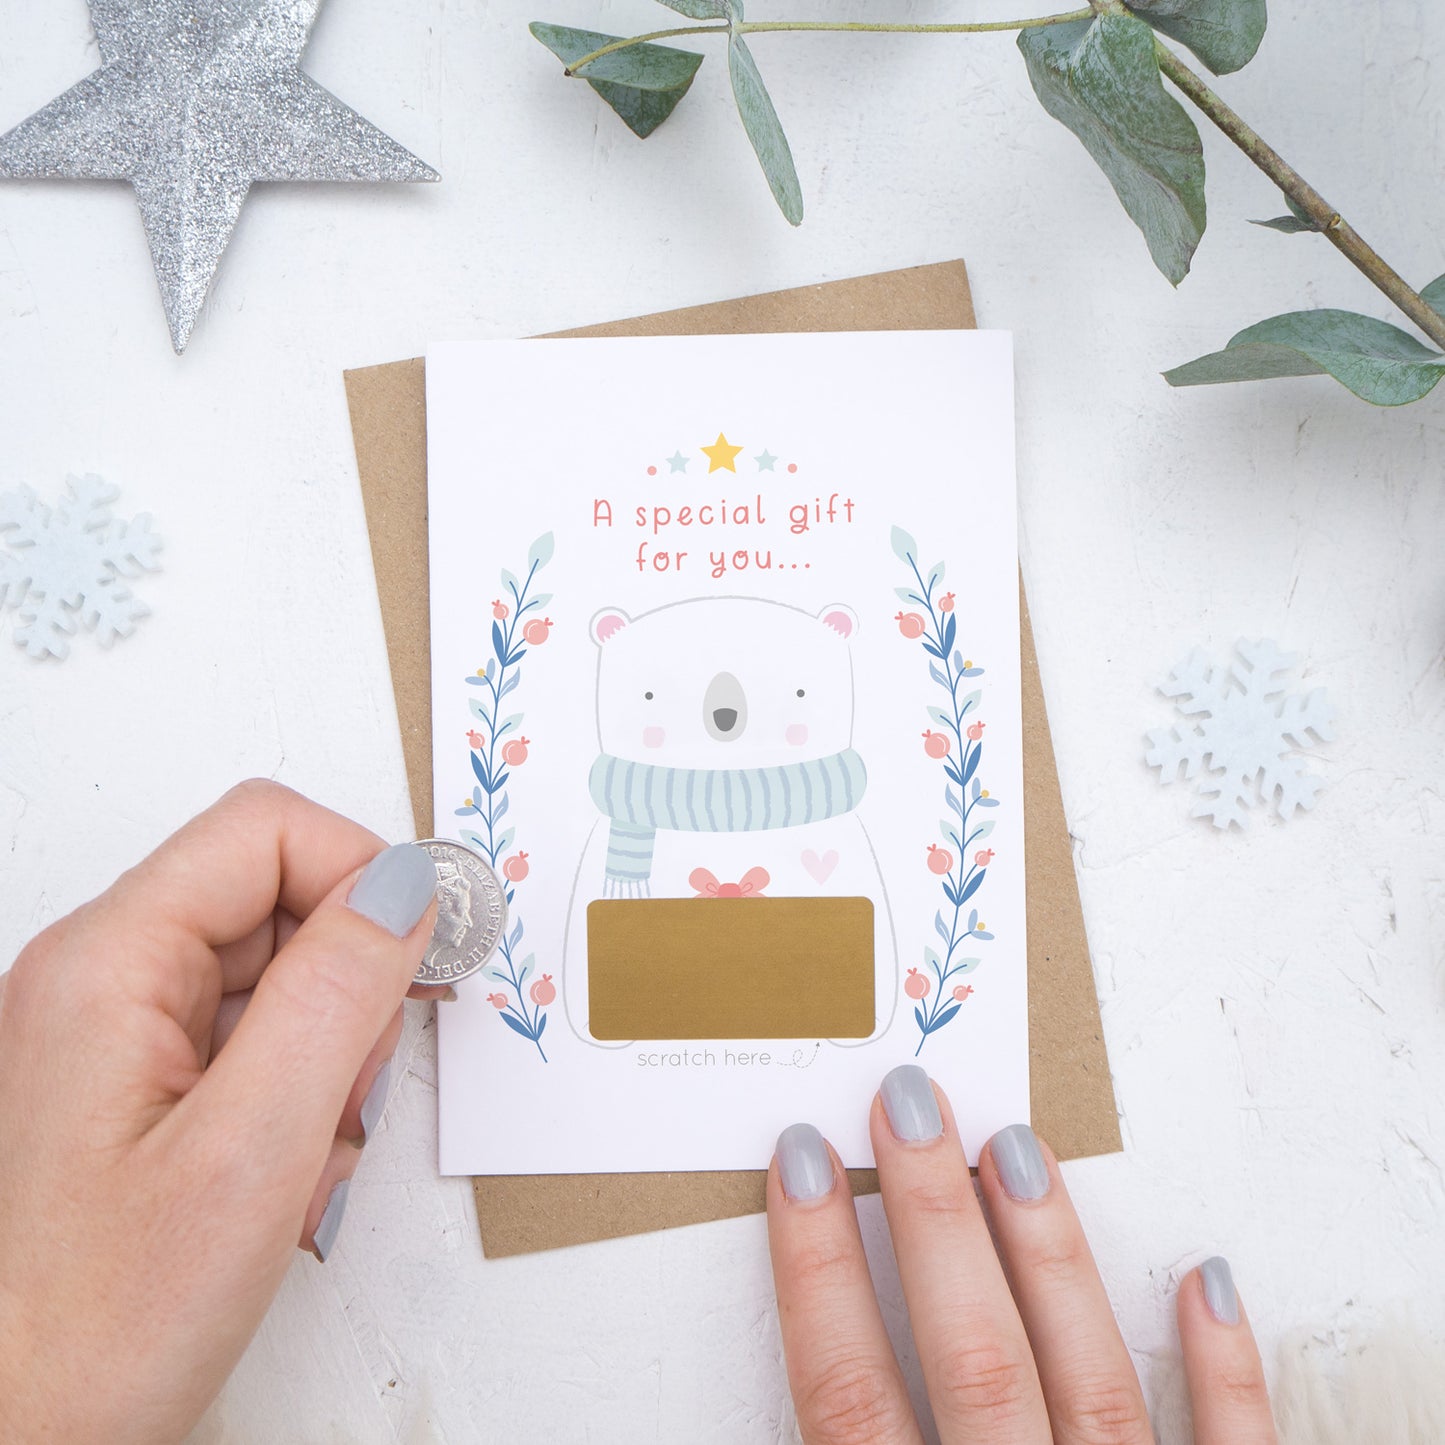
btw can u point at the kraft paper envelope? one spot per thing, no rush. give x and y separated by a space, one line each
1072 1093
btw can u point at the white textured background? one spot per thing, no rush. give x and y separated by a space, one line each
1273 1002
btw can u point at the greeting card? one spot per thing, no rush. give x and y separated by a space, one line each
725 651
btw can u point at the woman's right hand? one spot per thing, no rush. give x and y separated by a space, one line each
1015 1334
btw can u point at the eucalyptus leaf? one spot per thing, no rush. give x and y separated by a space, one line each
642 83
1099 77
707 9
1298 220
1378 362
764 130
1433 295
1224 34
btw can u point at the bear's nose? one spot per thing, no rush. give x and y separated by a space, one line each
725 708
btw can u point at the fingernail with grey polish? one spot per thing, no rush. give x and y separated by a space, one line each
375 1100
909 1102
395 888
804 1164
1020 1162
324 1240
1219 1292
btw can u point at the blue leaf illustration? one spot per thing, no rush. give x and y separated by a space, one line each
475 679
935 574
511 892
987 802
516 935
971 701
540 552
479 710
971 766
931 650
973 885
953 800
972 672
500 809
500 782
496 974
904 547
463 812
511 684
951 768
973 920
931 959
540 600
950 631
938 674
905 594
474 841
518 1025
491 663
918 1014
950 834
515 656
966 965
982 831
499 642
510 582
940 928
479 767
979 933
944 1017
950 892
940 717
505 841
977 789
541 1026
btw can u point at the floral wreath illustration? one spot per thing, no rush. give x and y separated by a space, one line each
957 748
519 622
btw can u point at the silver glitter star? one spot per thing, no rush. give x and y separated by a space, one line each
195 100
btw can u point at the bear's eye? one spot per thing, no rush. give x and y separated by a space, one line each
800 692
648 696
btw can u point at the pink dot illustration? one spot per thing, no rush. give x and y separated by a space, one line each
792 466
652 471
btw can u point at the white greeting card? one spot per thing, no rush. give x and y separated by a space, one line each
725 661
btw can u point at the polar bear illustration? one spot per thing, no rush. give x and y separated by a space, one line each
726 768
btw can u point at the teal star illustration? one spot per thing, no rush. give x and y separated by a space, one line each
765 460
678 462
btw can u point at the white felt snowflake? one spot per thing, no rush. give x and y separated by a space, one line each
1240 727
66 565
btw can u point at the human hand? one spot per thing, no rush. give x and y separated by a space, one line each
153 1183
1018 1346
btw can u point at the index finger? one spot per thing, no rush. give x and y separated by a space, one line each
260 847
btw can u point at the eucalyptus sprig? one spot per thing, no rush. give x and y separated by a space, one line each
1100 70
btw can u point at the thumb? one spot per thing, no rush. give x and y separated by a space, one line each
278 1088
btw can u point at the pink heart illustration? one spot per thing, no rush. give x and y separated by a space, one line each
820 868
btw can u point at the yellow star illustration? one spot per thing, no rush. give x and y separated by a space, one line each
721 455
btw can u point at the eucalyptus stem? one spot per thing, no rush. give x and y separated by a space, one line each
1332 225
754 27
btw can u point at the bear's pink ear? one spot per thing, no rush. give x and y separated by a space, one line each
843 620
607 624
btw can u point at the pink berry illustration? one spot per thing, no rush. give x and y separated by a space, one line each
475 739
499 609
537 630
975 731
945 603
910 624
516 867
497 1000
940 860
983 857
915 985
963 991
935 745
543 991
515 752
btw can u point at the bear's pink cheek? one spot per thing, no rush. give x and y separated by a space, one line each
797 734
653 737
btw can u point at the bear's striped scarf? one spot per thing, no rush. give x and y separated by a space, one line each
640 798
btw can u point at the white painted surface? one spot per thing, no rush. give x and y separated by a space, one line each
1273 1003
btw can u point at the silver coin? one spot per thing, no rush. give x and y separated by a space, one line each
471 915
